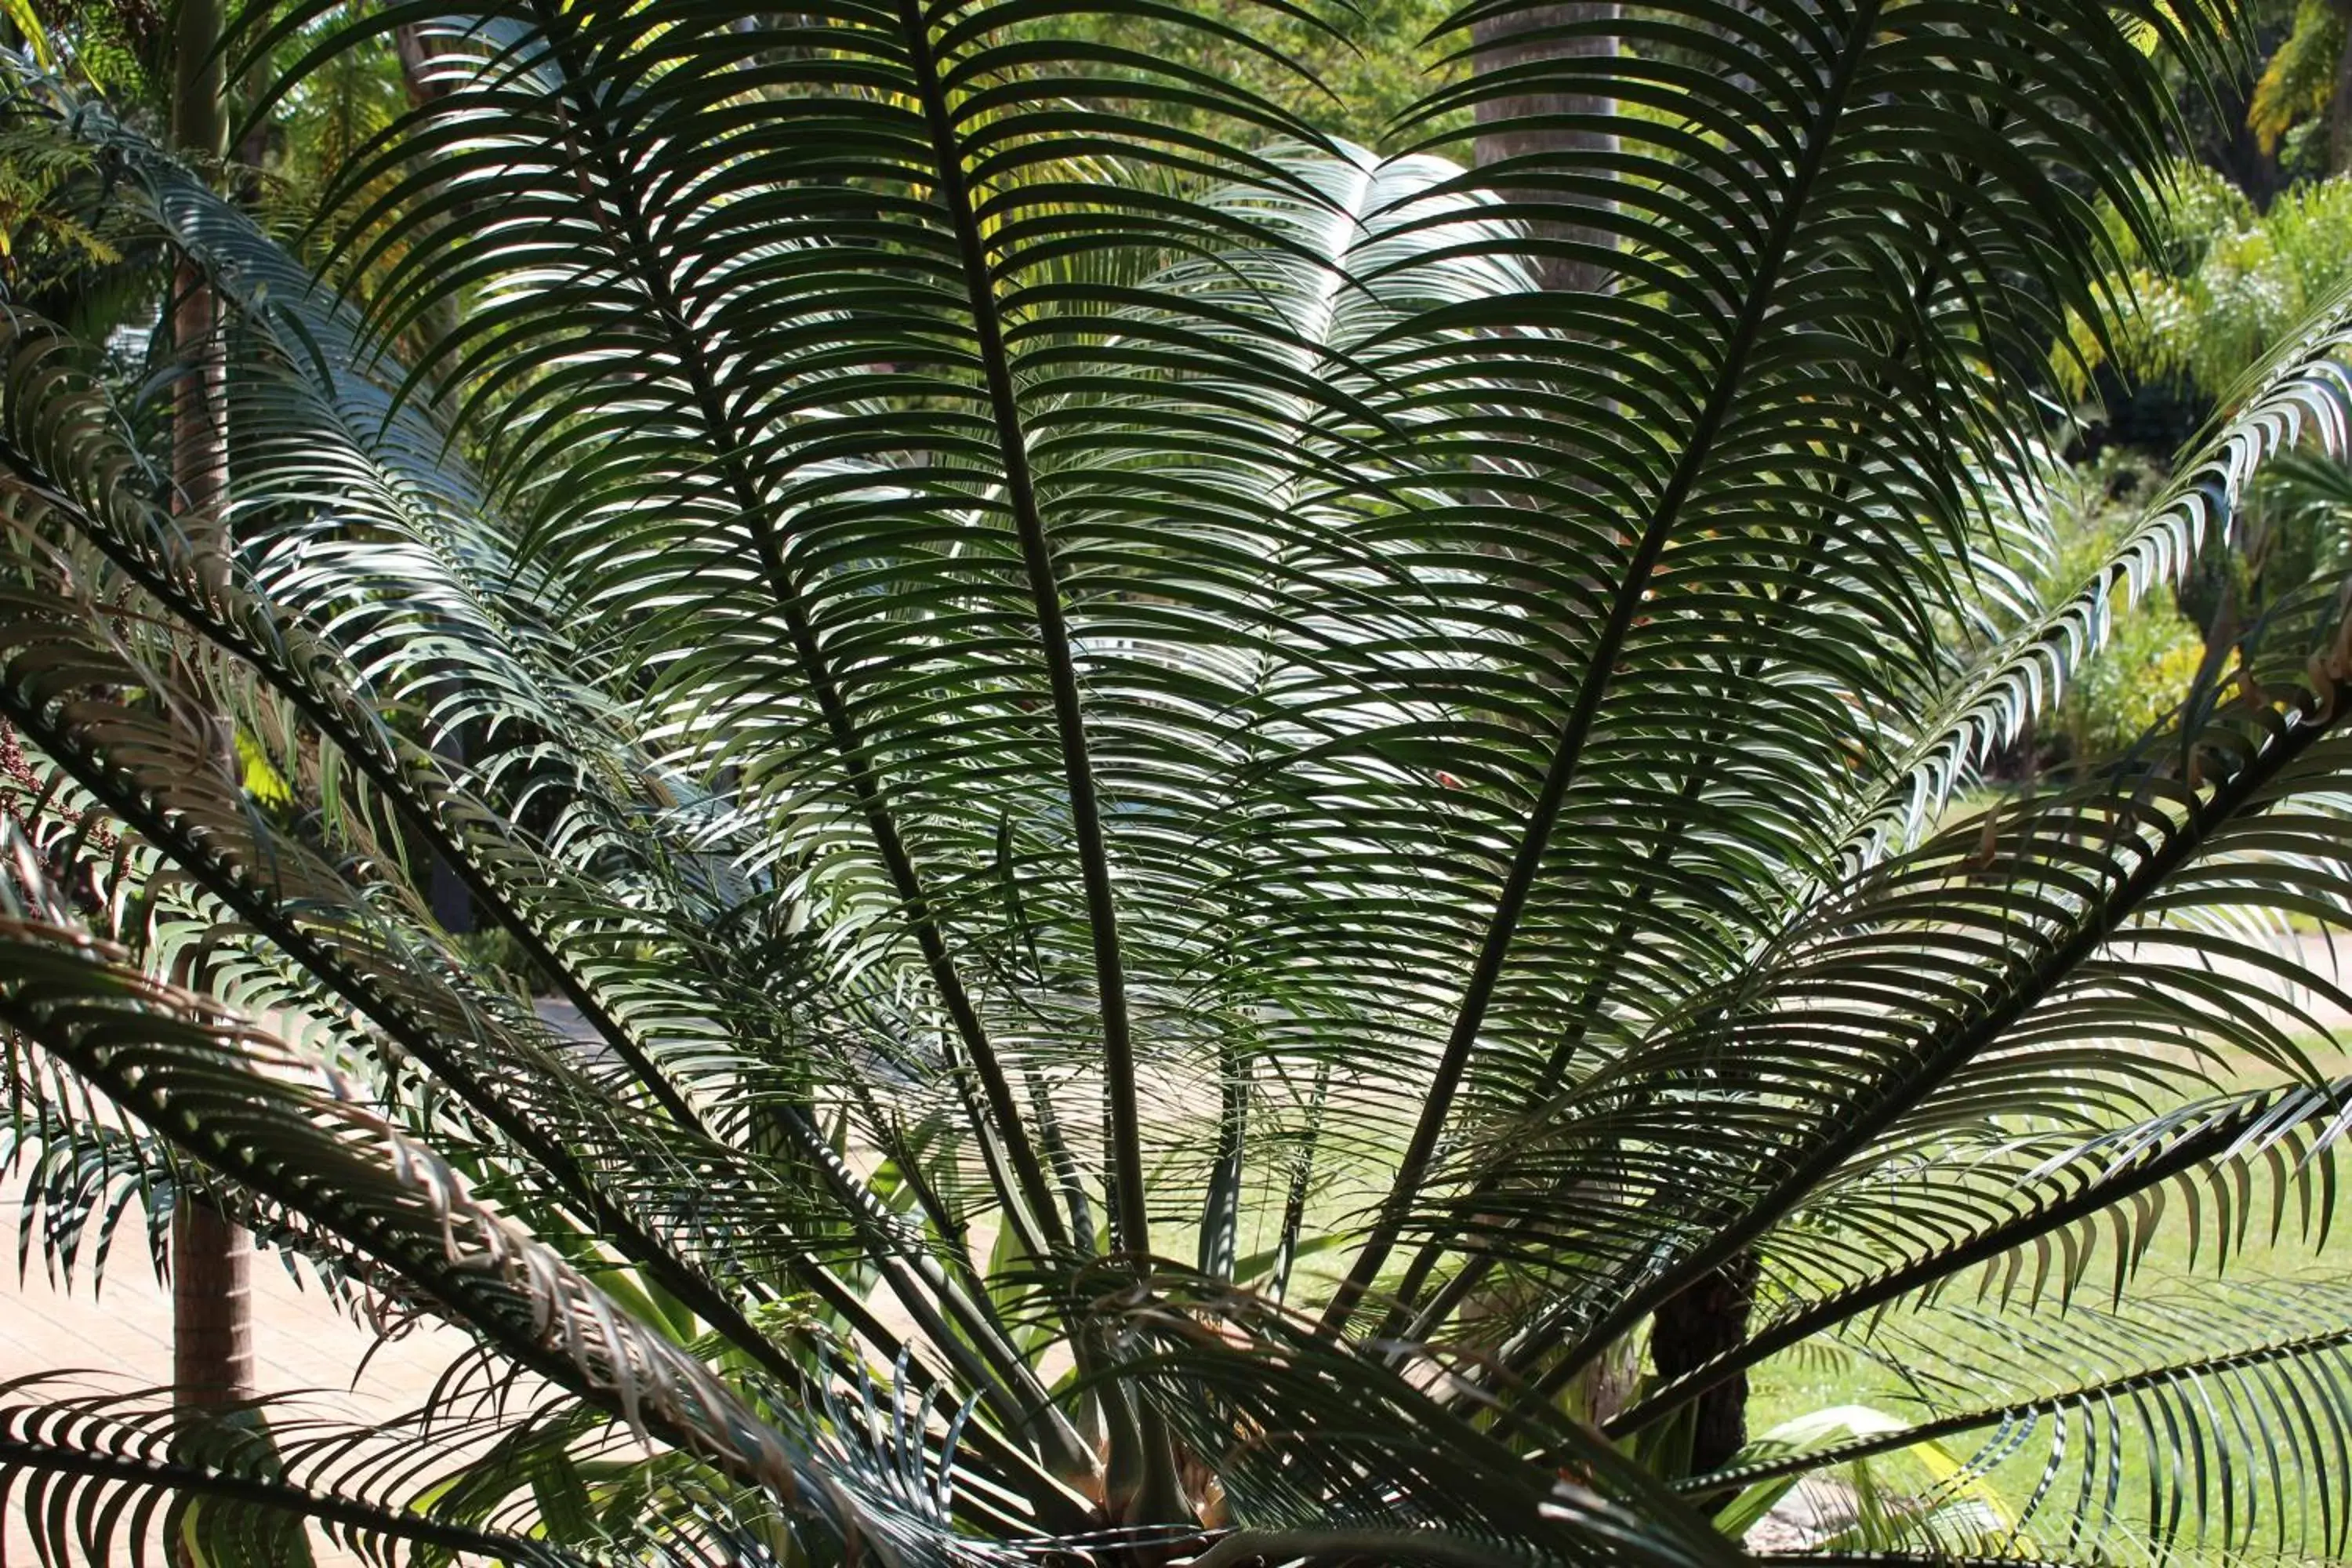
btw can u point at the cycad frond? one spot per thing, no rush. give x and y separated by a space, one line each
2044 1216
98 1470
1020 662
2176 1424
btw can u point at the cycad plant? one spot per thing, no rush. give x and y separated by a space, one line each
1228 885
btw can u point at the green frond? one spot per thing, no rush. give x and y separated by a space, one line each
193 1075
1061 674
2173 1426
101 1473
2040 1215
1968 969
79 1185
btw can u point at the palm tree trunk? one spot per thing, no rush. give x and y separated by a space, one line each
1516 39
212 1320
212 1306
199 442
212 1338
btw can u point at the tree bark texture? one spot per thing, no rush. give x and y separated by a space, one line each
199 439
417 51
212 1341
212 1306
1703 1322
211 1259
1569 128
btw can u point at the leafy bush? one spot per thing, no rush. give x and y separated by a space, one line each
2220 287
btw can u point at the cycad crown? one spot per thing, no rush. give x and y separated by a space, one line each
1209 850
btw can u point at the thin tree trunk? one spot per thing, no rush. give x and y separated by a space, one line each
199 441
211 1259
1570 132
199 80
212 1306
414 45
419 51
2339 102
212 1342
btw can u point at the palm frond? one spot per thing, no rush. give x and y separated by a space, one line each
99 1471
79 1185
2032 896
2210 1407
2034 1212
1027 642
300 1136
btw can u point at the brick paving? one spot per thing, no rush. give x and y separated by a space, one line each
122 1332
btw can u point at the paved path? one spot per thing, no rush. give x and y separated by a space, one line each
122 1332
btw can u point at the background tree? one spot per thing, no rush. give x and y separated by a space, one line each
1568 136
2308 79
